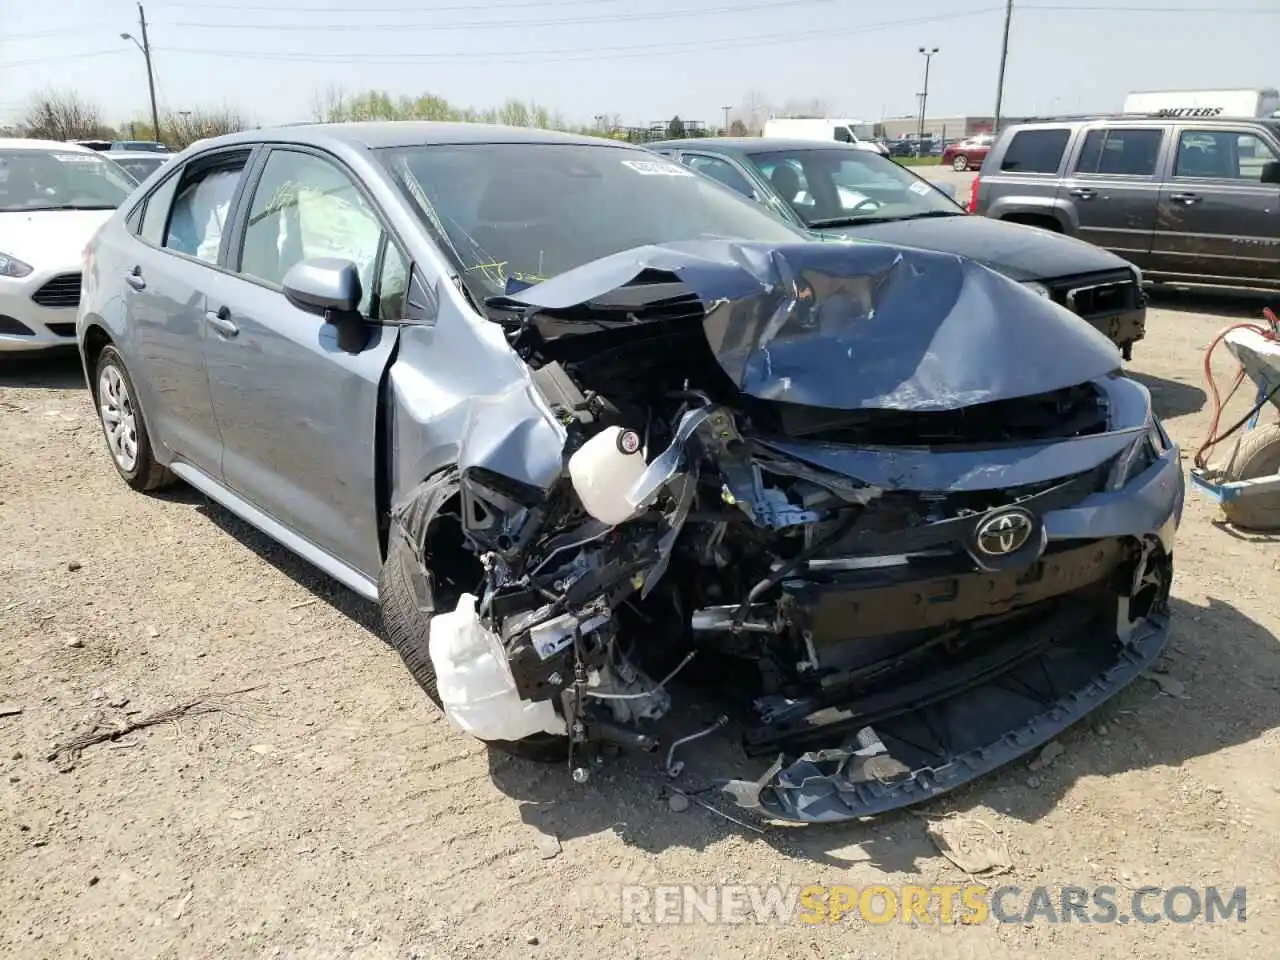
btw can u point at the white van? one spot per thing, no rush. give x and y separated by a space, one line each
1258 103
821 128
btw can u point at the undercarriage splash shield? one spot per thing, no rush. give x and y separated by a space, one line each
857 325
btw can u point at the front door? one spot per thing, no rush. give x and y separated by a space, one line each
300 417
1113 187
1217 219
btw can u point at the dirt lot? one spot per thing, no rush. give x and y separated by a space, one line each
330 811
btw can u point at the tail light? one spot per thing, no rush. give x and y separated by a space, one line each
973 195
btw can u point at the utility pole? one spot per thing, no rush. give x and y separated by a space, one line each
924 94
726 118
145 47
1004 56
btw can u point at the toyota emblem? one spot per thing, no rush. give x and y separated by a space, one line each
1004 533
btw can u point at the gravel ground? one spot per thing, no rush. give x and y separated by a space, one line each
328 810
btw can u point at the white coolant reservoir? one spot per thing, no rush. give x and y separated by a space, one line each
603 471
474 680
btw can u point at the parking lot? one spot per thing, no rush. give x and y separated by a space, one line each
303 799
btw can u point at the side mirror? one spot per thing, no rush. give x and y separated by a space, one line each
948 188
330 287
1271 171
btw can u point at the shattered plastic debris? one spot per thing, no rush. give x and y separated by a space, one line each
971 845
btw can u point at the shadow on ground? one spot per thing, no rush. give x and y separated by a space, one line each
1245 305
1171 398
51 370
1229 665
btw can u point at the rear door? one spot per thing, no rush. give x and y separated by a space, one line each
300 417
170 268
1113 185
1216 218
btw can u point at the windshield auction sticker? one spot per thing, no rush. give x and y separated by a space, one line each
657 168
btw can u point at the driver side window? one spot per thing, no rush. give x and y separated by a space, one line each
303 207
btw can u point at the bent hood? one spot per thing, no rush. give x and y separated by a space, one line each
846 326
1018 251
49 239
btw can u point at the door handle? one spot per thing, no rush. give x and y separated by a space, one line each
1187 198
221 321
1084 193
134 279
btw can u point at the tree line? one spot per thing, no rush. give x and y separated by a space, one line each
66 115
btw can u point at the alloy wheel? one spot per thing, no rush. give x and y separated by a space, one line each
115 406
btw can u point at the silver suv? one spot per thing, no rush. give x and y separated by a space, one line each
1187 200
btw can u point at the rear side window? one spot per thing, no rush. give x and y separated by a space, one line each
200 209
1126 153
157 213
1035 151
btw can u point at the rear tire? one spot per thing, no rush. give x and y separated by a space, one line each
124 427
960 164
412 590
1256 454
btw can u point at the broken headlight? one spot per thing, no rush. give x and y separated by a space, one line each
1140 455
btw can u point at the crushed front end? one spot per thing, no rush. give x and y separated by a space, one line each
907 517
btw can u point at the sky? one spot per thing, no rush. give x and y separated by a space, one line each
642 60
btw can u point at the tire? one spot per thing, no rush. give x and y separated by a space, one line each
128 441
960 164
1256 454
411 590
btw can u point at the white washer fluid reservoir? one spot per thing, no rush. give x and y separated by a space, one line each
603 471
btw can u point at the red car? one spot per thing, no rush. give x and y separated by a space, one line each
967 153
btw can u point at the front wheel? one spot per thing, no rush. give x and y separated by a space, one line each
426 570
960 164
124 427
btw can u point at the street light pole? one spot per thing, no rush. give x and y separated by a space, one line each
1004 55
924 94
726 118
145 47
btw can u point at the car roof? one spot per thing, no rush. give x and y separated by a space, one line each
750 145
32 143
405 133
139 155
1137 119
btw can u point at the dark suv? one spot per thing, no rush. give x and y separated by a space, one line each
1188 200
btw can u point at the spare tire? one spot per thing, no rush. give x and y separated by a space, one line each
1256 454
428 567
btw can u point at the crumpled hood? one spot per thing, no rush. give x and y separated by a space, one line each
856 326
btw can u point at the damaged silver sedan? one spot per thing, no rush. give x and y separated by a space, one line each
600 435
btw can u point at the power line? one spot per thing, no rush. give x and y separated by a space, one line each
434 26
575 53
1078 8
59 32
413 8
62 56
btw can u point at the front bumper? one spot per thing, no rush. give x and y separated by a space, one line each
1058 640
26 325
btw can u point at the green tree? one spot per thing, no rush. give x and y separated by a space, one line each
675 129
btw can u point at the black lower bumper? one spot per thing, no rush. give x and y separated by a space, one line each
832 785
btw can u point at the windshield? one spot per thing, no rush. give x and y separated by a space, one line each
60 180
831 187
530 211
139 167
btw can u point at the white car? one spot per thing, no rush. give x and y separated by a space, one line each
53 198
